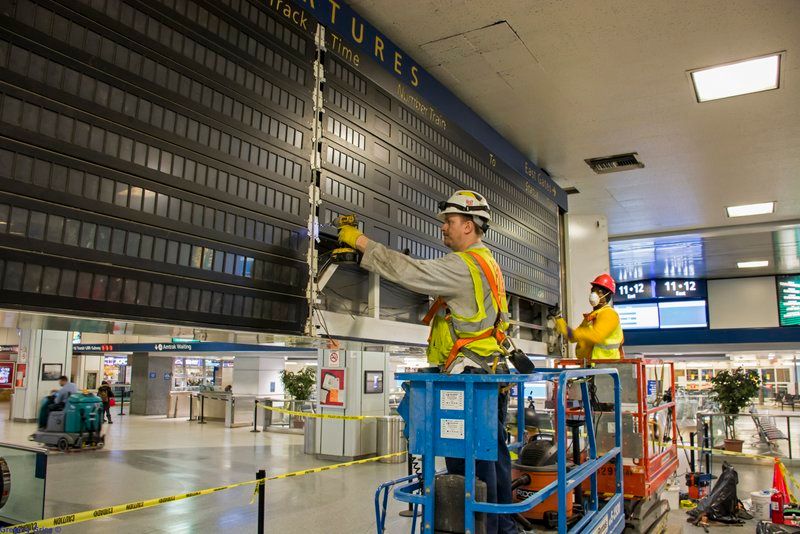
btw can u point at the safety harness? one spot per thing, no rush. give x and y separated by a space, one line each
460 343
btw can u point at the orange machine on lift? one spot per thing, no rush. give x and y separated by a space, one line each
649 427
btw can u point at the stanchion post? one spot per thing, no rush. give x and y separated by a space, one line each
789 434
409 471
191 405
202 419
255 418
707 444
262 493
122 403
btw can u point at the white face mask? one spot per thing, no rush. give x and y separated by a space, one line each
594 299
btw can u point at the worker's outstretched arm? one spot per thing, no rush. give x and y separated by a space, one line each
444 277
603 325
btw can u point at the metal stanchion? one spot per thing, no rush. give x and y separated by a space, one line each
709 444
255 418
262 493
122 404
409 471
202 420
789 434
191 407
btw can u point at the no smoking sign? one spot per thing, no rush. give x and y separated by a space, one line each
334 359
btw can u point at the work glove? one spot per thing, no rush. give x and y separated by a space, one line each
348 235
561 326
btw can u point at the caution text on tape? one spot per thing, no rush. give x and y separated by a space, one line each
89 515
319 415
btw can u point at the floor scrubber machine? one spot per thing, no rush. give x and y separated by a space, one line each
78 426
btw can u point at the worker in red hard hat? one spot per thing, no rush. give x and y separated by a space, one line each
599 336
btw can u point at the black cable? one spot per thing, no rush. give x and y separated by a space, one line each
324 325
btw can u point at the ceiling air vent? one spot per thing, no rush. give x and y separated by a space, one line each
618 163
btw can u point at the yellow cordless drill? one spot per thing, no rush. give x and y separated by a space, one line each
344 254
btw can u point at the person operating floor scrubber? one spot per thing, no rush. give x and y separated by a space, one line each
599 336
467 320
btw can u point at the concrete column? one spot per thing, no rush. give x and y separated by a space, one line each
151 381
258 375
37 347
586 257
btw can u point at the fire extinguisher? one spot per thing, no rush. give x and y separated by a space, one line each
776 508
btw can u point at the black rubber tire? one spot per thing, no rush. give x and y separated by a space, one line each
62 444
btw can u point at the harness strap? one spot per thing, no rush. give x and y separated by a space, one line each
437 305
460 343
490 276
482 362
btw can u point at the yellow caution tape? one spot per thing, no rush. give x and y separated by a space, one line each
792 481
331 467
786 473
726 453
320 415
89 515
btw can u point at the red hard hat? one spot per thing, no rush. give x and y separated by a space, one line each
605 281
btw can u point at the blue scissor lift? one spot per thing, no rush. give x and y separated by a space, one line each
456 416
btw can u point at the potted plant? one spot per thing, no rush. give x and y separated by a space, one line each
733 391
299 385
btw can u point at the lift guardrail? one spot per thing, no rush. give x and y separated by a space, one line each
455 416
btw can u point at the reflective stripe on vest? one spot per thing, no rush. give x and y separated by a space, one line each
609 348
480 332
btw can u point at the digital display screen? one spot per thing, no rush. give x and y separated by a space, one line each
536 390
638 316
373 382
6 374
685 314
789 300
680 289
642 290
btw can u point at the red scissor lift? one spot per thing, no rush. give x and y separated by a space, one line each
649 445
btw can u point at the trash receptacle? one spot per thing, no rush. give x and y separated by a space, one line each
310 436
267 413
390 438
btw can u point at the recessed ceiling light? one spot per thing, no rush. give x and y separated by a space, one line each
746 210
738 78
752 264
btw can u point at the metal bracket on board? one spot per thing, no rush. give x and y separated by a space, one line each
325 274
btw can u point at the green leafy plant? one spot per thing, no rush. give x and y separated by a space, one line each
733 391
300 385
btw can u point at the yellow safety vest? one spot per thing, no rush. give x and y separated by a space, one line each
483 332
609 349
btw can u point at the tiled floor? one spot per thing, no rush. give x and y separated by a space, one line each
148 457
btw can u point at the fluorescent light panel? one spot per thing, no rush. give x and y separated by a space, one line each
746 210
735 79
752 264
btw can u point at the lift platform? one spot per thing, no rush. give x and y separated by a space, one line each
456 416
650 435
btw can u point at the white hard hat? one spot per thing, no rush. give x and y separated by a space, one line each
467 202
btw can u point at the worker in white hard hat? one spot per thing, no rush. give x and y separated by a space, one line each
468 320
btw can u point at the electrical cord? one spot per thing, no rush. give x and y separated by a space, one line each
324 325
